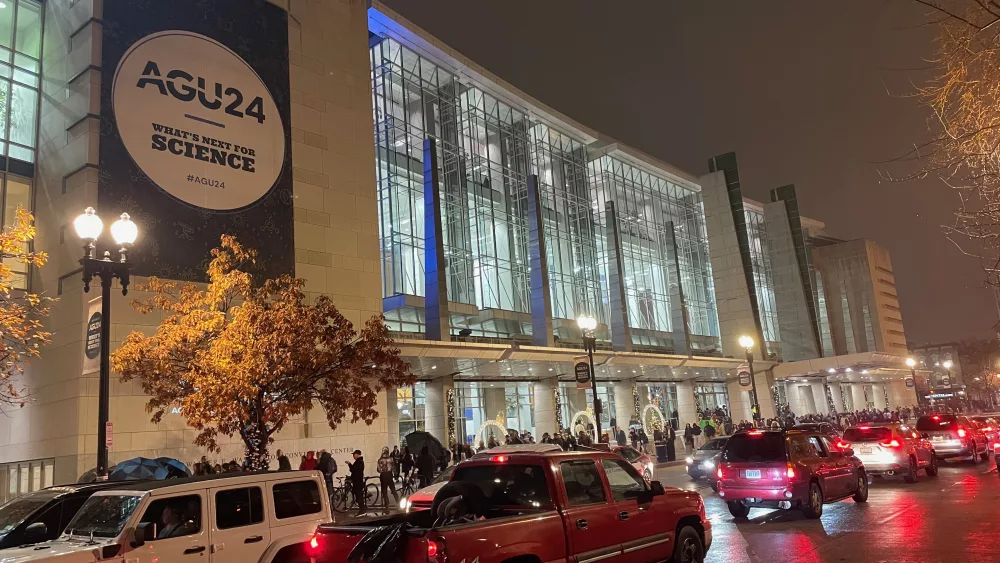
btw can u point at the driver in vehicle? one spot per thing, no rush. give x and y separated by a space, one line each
172 525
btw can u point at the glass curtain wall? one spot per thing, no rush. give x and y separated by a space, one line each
711 396
410 404
763 279
20 66
521 407
646 207
560 162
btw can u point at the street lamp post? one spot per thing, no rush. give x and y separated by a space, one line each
747 343
587 326
88 227
912 364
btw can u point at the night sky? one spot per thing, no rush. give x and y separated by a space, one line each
805 92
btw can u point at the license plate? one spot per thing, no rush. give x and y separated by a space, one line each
867 450
752 474
937 438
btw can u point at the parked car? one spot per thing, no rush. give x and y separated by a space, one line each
229 518
788 469
891 449
640 461
550 506
42 515
953 436
701 463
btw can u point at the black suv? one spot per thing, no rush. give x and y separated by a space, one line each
42 515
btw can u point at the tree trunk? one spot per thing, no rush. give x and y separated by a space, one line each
255 438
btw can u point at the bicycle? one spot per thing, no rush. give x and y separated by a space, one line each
411 484
342 497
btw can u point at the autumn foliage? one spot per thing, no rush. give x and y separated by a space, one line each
240 357
21 333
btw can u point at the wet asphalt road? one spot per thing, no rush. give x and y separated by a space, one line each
951 518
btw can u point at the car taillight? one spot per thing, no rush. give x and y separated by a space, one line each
894 443
988 429
718 473
936 417
432 550
961 432
499 458
842 445
314 543
790 472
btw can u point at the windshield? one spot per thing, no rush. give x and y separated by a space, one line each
444 476
867 434
15 511
103 516
714 445
765 446
937 422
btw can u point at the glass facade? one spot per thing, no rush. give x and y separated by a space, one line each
410 408
20 68
487 149
763 279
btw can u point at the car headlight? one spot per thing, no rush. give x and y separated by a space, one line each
404 504
649 466
709 464
689 460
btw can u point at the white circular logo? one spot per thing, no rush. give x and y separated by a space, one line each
198 120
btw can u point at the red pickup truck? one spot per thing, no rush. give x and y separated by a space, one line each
540 507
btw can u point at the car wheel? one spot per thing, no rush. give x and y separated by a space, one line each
715 486
932 469
861 494
911 472
688 547
738 509
814 504
975 454
647 475
985 456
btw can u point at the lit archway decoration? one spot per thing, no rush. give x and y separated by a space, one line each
646 416
501 431
587 417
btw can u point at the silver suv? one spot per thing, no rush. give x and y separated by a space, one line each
891 449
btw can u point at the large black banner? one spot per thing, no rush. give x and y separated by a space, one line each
195 131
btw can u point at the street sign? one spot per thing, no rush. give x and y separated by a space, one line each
744 376
909 382
582 373
109 434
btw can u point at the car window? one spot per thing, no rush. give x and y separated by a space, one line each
15 511
622 478
714 445
238 507
937 422
51 520
799 448
507 484
445 475
867 434
755 447
817 446
629 454
296 498
174 517
583 482
69 509
829 445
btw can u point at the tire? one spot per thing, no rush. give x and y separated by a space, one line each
932 469
647 476
371 495
738 509
861 494
975 455
985 456
911 472
688 548
338 500
715 486
813 508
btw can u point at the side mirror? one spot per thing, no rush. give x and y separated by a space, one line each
143 533
925 435
657 488
848 452
36 531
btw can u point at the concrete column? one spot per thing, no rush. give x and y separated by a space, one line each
739 401
392 416
838 397
819 398
436 408
545 407
796 398
436 313
624 405
764 380
494 401
858 396
879 391
900 395
687 410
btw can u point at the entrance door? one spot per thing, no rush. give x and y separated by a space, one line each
179 533
240 531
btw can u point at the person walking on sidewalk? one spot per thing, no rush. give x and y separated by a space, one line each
689 438
385 478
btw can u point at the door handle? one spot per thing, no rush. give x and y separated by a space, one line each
254 539
196 549
623 516
581 524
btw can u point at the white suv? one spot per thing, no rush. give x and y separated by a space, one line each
231 518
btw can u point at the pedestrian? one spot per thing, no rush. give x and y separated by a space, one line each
283 463
209 469
328 467
696 434
620 436
199 469
709 431
384 468
308 462
395 462
215 469
425 467
689 438
358 480
643 441
669 436
405 462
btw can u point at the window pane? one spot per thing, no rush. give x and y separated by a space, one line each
296 499
23 110
622 477
238 507
583 482
25 77
6 25
175 516
29 28
21 153
24 61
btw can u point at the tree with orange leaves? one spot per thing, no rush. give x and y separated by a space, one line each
242 358
21 334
